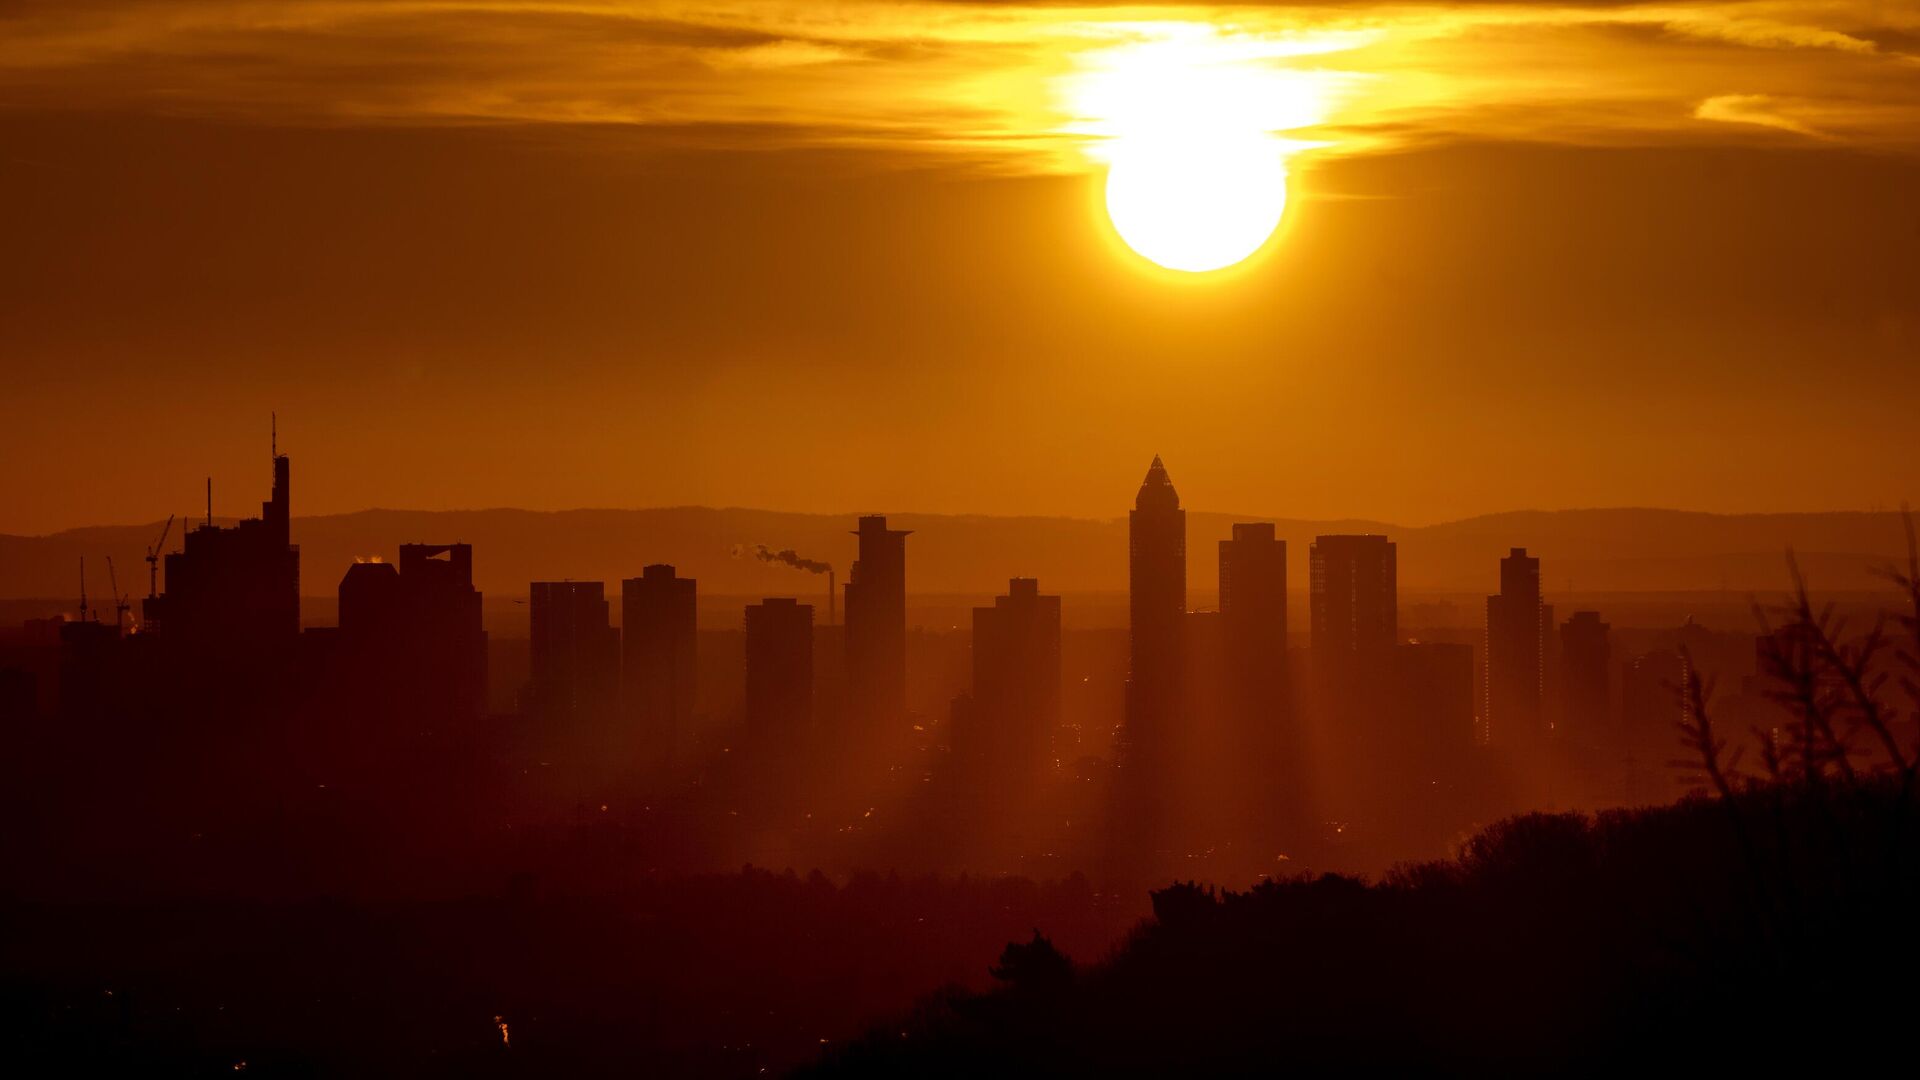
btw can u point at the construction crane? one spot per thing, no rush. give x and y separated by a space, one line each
153 560
120 604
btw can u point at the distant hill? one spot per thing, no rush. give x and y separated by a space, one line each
1617 550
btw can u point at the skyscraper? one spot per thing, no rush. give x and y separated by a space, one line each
1586 676
1157 604
1253 605
657 655
1653 703
1354 599
779 667
876 631
574 652
1516 668
1433 700
413 632
1015 706
234 591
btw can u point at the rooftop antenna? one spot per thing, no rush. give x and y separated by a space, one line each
209 502
83 588
273 420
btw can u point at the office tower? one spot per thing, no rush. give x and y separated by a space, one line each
1015 707
779 667
449 643
1586 676
1653 704
1434 699
1354 614
234 591
415 631
1157 603
877 624
369 596
1652 699
574 651
1253 606
657 655
1516 669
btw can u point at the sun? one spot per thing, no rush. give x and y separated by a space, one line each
1197 204
1195 125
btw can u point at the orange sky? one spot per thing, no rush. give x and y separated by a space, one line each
851 256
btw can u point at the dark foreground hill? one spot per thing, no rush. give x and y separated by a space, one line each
1637 941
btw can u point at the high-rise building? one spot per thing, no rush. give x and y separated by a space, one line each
574 651
1653 703
411 635
779 667
413 632
234 591
1516 661
1433 701
1009 724
1355 603
657 661
1586 676
1253 607
876 592
1157 605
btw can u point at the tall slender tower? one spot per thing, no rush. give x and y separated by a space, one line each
877 625
1516 669
1157 602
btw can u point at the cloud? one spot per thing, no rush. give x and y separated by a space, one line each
981 84
1760 109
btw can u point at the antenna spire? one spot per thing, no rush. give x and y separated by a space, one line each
274 426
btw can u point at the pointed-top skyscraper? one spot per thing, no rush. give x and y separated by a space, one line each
1157 601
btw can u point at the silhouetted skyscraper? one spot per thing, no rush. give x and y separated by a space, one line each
235 591
1253 606
779 667
877 624
1354 600
1586 675
412 634
1015 706
574 651
657 668
1516 639
1157 604
1652 705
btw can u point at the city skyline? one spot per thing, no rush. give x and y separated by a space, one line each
723 539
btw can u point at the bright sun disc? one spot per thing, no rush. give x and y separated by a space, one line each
1197 204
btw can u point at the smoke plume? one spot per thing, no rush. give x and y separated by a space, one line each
788 556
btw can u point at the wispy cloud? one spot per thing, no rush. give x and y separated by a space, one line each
1760 109
998 83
